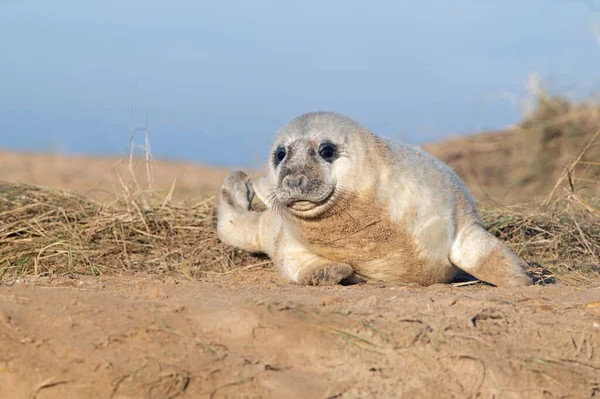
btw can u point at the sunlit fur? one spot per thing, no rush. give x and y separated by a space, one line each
381 210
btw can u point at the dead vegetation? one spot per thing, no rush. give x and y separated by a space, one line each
560 233
560 241
48 232
524 163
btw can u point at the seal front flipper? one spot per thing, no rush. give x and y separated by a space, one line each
325 273
237 225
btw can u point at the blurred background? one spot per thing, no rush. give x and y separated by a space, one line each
213 81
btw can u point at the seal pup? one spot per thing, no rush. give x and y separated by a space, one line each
342 202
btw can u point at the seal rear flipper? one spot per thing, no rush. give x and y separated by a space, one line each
485 257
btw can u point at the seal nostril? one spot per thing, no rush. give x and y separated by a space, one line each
295 182
302 181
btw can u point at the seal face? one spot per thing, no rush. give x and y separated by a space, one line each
305 185
341 201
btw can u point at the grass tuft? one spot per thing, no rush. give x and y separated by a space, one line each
559 241
49 232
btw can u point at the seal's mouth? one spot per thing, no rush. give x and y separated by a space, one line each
303 202
307 208
302 205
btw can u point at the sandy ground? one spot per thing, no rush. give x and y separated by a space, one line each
249 334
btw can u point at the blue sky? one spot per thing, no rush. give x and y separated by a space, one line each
219 78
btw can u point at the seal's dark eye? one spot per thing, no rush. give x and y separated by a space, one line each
279 155
328 151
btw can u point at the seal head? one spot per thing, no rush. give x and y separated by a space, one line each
306 165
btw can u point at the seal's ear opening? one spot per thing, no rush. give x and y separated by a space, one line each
261 189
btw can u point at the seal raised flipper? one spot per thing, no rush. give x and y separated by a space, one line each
236 224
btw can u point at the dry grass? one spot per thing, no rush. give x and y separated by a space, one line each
47 232
559 237
525 162
560 241
553 135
